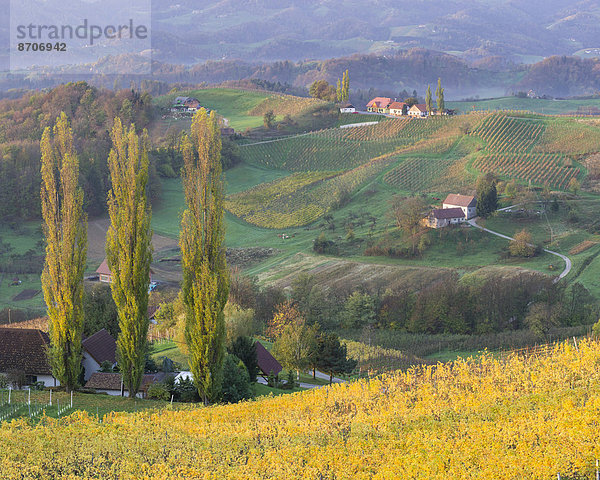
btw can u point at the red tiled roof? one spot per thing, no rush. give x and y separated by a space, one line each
267 362
460 200
421 106
24 349
397 105
103 268
447 213
101 346
379 101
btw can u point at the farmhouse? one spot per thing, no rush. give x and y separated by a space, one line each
23 354
186 104
99 348
379 105
419 110
347 108
105 275
442 217
466 203
398 108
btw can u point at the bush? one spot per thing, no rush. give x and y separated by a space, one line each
236 382
158 391
3 381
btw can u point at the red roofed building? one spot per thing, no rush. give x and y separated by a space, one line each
467 203
99 348
379 105
419 110
104 273
398 108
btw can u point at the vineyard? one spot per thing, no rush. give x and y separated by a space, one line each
508 134
418 173
339 149
541 168
300 198
530 416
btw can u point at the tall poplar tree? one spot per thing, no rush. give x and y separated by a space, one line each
65 230
205 284
345 86
428 100
338 91
439 93
129 248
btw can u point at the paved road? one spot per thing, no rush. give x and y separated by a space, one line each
320 375
568 264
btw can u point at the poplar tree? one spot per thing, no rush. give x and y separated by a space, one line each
439 93
205 286
345 86
129 248
338 91
428 100
65 230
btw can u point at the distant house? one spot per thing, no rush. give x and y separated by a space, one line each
112 383
418 110
347 108
379 105
267 363
186 104
105 275
442 217
398 108
25 351
466 203
99 348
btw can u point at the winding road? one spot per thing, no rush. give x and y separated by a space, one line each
568 264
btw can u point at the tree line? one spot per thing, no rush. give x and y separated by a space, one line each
129 250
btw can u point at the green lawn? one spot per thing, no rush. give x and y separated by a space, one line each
232 104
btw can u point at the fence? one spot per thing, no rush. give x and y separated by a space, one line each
18 403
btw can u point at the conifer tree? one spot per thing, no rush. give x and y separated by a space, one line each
428 100
129 248
65 230
439 93
205 286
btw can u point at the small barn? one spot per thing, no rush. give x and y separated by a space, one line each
112 383
347 108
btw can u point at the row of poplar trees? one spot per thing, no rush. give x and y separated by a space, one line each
205 285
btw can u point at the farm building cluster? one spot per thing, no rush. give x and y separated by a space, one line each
187 105
456 209
387 106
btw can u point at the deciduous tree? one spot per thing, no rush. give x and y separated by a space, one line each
129 248
205 283
428 100
65 230
439 93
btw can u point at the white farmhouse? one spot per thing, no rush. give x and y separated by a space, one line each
347 108
467 203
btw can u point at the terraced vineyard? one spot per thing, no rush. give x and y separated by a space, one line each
541 168
340 148
509 134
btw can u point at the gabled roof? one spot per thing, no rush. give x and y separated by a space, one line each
421 106
397 105
101 346
181 100
447 213
24 349
266 362
380 101
346 105
103 268
460 200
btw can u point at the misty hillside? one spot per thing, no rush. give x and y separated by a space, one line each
189 31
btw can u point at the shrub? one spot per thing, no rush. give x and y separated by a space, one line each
158 391
236 382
